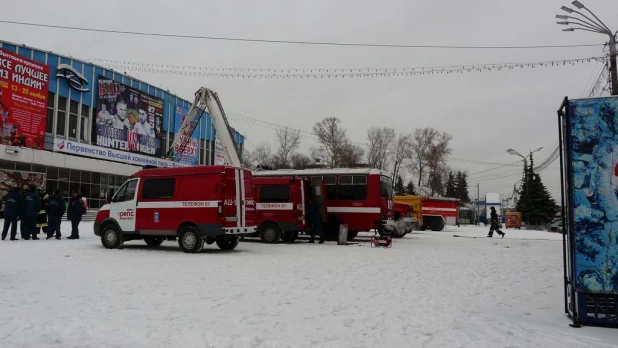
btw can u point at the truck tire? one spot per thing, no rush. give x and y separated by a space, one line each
111 238
289 237
331 228
436 224
153 241
270 233
228 242
352 235
190 240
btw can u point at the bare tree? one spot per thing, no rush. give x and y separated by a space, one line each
351 155
421 149
300 161
401 152
262 155
378 147
288 142
332 139
436 162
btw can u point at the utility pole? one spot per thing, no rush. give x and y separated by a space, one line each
478 188
596 26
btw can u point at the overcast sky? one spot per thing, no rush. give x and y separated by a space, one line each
486 112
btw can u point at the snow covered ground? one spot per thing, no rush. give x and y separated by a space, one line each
429 290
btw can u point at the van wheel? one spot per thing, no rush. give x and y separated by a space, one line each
270 233
153 241
190 240
111 238
228 242
289 237
352 235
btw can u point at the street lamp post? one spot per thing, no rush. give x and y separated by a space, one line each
515 153
596 26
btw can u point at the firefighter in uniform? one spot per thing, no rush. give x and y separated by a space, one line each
32 206
41 221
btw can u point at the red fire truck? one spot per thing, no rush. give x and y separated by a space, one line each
361 198
192 204
404 219
439 212
280 208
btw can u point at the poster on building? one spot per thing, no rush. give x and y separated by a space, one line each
13 178
219 154
592 150
188 155
24 85
127 119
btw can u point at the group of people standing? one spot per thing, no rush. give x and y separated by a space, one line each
38 211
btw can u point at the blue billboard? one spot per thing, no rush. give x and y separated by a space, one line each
592 161
190 153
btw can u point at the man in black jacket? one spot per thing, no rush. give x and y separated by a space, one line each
12 210
495 224
32 206
74 213
55 210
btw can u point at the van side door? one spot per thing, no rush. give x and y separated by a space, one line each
123 207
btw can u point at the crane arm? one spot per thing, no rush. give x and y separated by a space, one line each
207 100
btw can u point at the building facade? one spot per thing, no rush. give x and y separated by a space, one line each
88 128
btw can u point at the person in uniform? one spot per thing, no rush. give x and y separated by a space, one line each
55 210
495 224
12 210
41 221
32 206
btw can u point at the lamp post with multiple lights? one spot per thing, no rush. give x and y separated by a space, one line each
596 26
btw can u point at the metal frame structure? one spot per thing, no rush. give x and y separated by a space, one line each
581 307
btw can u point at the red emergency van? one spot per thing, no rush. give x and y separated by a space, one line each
362 198
280 208
192 204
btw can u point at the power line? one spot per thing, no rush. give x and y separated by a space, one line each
488 170
296 42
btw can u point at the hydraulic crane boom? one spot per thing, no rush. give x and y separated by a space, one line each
207 100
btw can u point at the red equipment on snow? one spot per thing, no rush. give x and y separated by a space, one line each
381 241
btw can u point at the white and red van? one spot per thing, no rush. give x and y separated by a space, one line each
196 205
361 198
280 208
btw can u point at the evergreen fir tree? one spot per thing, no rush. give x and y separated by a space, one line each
536 205
451 188
461 184
400 190
410 189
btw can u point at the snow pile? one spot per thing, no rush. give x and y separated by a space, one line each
428 290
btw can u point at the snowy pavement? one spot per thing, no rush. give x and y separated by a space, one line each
429 290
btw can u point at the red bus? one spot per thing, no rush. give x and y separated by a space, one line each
361 198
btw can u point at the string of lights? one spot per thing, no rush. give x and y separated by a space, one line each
331 73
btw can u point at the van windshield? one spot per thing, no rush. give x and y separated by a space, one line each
386 187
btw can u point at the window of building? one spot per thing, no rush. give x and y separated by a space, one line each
126 192
274 194
26 167
73 110
62 116
7 165
84 126
49 122
352 188
158 188
75 174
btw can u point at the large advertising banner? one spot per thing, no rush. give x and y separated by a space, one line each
190 153
128 119
24 84
592 150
